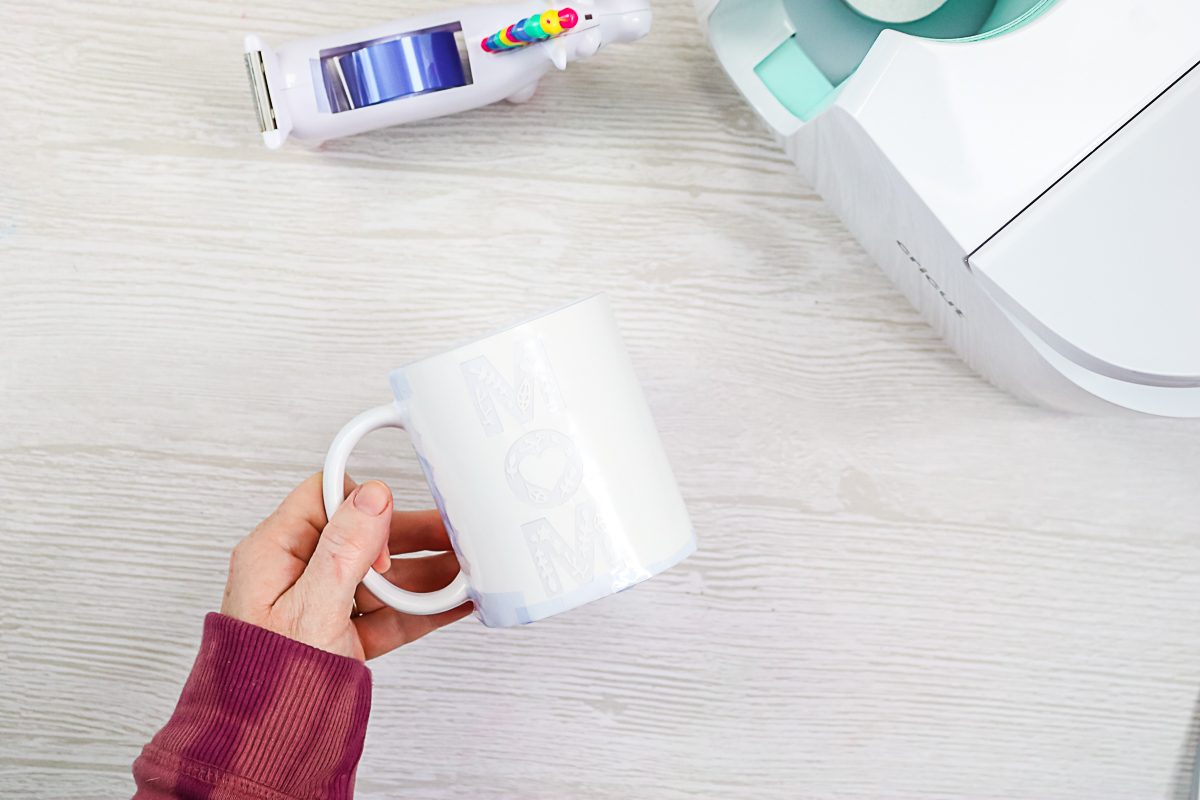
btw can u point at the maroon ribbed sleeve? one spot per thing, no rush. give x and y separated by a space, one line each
261 717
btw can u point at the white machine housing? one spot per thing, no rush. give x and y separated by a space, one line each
1035 192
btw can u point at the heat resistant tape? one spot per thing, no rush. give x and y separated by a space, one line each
425 62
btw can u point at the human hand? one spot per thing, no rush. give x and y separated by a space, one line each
299 577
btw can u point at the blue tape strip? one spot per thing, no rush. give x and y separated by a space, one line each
426 62
505 609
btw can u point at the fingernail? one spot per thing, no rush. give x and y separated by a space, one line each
372 498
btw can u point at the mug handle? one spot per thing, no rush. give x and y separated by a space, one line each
389 416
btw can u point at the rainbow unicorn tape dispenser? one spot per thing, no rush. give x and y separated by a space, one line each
441 63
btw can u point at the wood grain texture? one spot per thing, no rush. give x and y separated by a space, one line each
910 585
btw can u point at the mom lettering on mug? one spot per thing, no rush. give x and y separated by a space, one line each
544 463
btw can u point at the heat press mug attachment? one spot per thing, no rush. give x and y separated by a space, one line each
544 462
896 11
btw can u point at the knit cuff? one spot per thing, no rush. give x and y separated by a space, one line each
261 716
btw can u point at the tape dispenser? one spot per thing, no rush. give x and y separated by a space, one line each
428 66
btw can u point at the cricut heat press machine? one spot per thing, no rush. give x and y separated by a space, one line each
1026 171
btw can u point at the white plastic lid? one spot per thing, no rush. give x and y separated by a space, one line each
1105 266
896 10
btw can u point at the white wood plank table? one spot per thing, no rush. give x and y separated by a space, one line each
910 585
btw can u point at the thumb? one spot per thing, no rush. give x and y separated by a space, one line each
352 541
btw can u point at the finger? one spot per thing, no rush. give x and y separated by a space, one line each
297 524
349 544
424 574
413 531
386 629
383 561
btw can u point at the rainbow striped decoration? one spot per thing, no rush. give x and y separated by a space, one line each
532 30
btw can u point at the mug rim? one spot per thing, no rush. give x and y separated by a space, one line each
504 329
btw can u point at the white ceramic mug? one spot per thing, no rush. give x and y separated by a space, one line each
544 462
